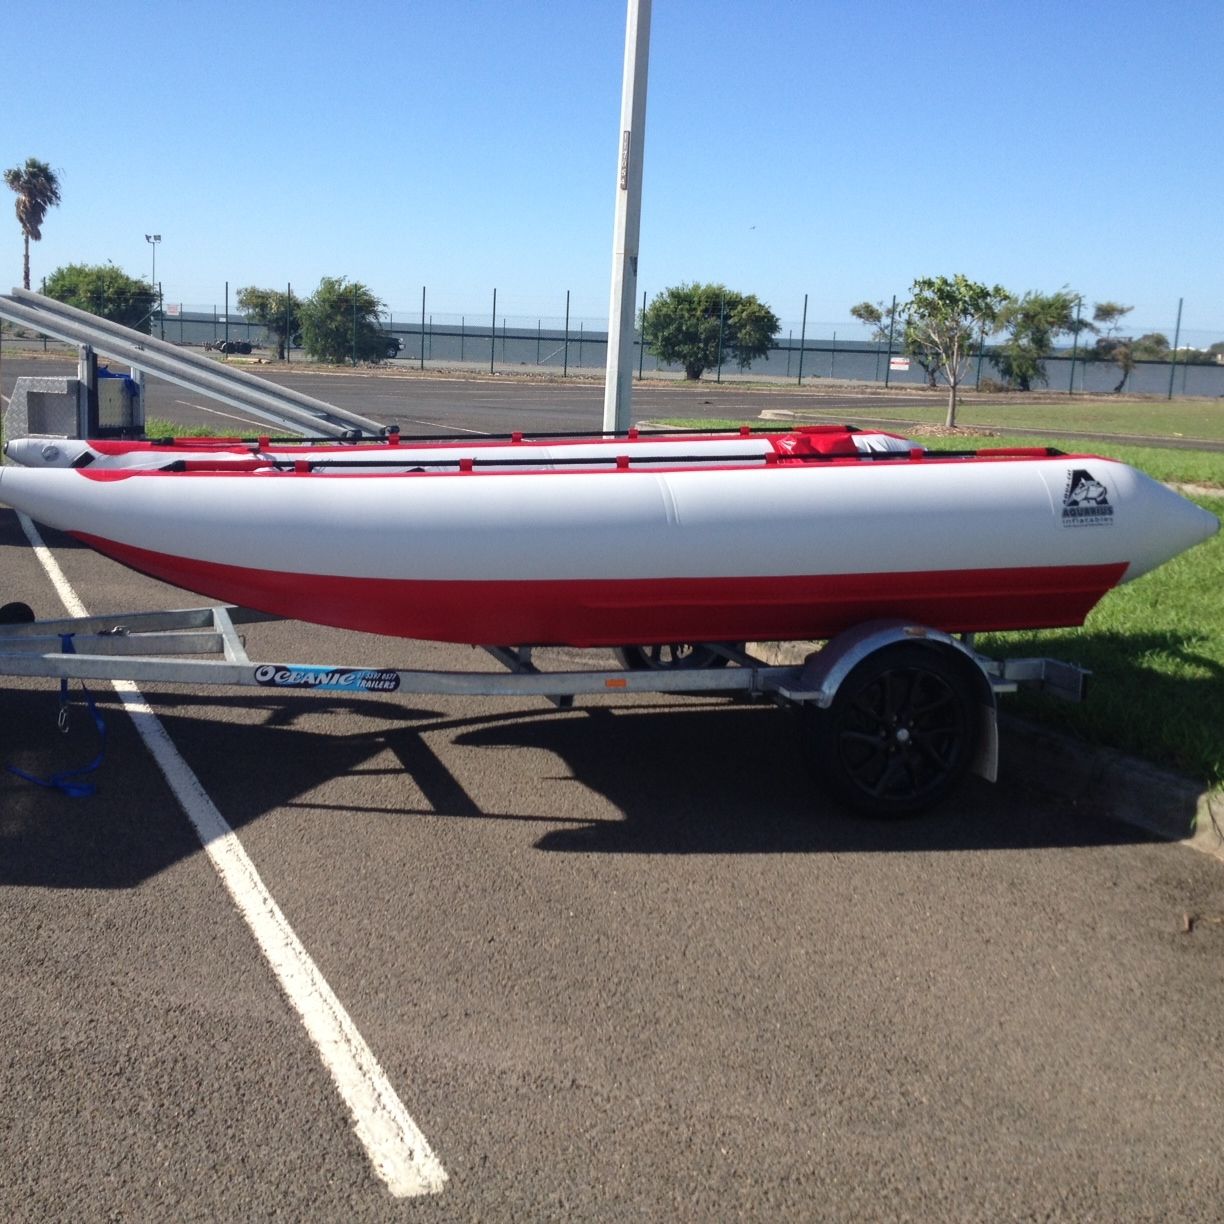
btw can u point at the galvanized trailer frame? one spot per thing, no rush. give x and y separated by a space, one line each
154 647
202 646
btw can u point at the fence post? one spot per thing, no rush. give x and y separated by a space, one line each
493 333
722 313
288 319
892 322
565 359
642 338
1176 340
1079 302
802 338
422 365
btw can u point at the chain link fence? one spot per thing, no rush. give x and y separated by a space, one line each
565 345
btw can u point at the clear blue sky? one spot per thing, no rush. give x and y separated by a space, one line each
837 150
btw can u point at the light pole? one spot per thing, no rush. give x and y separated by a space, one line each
626 227
153 240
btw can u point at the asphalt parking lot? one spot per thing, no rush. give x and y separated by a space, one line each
620 961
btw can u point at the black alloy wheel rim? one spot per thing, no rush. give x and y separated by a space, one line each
903 735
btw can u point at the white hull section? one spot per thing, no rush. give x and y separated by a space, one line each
619 556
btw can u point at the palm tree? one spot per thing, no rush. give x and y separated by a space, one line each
37 189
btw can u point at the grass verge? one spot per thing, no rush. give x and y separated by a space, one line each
155 427
1188 418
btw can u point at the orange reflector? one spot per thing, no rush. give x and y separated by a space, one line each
616 684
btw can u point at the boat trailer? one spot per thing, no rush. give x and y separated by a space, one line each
895 713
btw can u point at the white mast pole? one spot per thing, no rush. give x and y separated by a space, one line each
618 382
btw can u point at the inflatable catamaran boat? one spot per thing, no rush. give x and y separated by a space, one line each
864 539
636 539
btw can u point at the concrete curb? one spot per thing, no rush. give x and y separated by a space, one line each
1121 787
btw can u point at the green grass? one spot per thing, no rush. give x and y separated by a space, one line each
1188 418
1155 646
1202 419
1185 418
157 428
1159 462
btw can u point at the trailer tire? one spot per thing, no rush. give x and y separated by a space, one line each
900 734
16 614
670 656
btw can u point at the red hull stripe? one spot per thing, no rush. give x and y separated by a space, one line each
615 612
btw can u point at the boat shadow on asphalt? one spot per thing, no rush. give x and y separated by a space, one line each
678 777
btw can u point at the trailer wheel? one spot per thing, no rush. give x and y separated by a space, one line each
901 732
16 614
670 656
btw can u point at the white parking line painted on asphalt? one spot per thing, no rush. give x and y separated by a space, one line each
452 428
397 1149
229 416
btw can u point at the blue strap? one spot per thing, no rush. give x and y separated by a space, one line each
66 781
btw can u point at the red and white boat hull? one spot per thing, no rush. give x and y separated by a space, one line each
624 556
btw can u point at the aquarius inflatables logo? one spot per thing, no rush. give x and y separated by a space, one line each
1086 501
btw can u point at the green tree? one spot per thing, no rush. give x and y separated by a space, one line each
1186 355
878 317
683 325
914 344
888 323
887 327
1107 317
340 322
279 312
37 188
1152 346
945 315
105 291
1032 323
